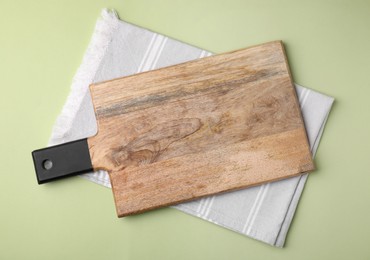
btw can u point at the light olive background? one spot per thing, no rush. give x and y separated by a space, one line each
42 43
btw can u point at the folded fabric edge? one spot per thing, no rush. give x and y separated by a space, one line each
99 42
282 235
317 140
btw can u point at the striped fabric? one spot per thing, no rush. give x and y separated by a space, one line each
119 49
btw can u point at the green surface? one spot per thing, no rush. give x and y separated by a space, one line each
42 43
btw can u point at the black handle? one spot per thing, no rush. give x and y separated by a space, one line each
62 160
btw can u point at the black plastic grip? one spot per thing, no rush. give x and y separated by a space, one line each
62 160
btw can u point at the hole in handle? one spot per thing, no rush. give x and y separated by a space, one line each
47 164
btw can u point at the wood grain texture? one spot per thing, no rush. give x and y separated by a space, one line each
203 127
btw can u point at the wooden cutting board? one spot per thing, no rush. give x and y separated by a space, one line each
175 134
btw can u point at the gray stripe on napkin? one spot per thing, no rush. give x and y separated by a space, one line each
119 49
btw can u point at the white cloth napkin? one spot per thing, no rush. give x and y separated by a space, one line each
119 49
